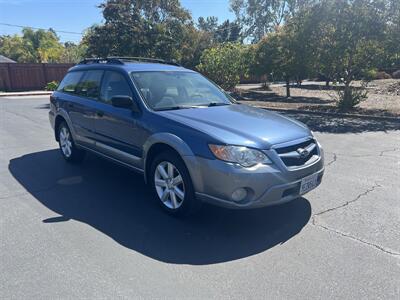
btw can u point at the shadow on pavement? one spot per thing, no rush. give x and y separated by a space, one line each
274 97
330 124
116 202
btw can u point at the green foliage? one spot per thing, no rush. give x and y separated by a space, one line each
142 28
371 74
261 17
226 32
351 96
283 55
39 46
73 53
226 63
51 86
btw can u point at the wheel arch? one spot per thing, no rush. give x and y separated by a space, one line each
59 119
62 116
160 142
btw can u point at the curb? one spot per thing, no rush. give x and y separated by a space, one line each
343 115
25 94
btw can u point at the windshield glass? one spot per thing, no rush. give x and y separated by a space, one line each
173 90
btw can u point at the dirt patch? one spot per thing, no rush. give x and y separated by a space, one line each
383 97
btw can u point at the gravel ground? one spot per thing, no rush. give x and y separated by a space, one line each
383 97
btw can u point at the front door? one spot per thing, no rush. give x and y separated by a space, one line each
116 128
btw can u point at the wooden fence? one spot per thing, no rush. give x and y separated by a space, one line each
29 77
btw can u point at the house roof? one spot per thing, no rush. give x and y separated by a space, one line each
4 59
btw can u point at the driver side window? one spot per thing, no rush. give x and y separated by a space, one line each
114 84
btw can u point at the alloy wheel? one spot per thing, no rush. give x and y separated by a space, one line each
169 185
65 142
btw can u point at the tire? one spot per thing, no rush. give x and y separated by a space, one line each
175 196
68 149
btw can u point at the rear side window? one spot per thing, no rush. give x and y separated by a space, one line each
89 86
70 81
114 84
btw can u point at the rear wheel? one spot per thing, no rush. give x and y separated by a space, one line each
172 185
67 146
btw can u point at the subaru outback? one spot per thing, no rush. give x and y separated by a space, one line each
190 139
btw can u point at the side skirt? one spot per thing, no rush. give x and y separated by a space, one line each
124 164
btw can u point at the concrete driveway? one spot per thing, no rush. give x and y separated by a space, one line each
92 231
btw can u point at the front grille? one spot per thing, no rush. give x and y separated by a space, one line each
292 155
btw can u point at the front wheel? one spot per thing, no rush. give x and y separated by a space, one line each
67 146
172 185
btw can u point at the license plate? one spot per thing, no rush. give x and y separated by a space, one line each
308 183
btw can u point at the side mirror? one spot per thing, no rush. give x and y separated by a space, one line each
124 102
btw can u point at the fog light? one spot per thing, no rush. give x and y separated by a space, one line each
239 195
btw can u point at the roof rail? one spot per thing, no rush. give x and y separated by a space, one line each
98 60
120 60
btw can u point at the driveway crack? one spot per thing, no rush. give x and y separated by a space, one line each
354 238
369 190
346 235
390 150
332 161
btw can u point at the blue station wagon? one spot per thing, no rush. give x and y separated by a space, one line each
192 142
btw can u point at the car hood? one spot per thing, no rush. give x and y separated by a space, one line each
241 125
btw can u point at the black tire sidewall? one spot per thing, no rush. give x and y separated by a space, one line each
190 203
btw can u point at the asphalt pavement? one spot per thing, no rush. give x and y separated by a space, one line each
92 231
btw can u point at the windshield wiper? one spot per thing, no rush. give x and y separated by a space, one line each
176 107
217 104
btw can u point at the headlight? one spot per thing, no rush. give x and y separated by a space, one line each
241 155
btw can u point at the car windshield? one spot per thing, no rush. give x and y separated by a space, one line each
164 90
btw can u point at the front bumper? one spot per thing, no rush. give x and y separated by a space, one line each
215 181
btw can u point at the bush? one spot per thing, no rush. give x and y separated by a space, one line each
51 86
382 75
371 74
396 74
350 96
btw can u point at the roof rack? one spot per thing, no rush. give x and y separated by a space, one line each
120 60
144 59
98 60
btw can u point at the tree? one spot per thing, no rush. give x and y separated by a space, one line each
347 39
156 28
284 54
17 49
33 46
226 63
263 16
73 53
392 38
226 32
210 24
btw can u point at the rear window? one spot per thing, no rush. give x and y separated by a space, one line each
70 81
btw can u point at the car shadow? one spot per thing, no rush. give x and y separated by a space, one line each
115 201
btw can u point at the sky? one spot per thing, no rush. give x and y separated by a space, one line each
77 15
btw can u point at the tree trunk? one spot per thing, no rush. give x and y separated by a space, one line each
347 97
327 83
287 87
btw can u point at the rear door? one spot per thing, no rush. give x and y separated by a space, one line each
81 107
117 131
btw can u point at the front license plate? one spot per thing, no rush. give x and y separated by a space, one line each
308 183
